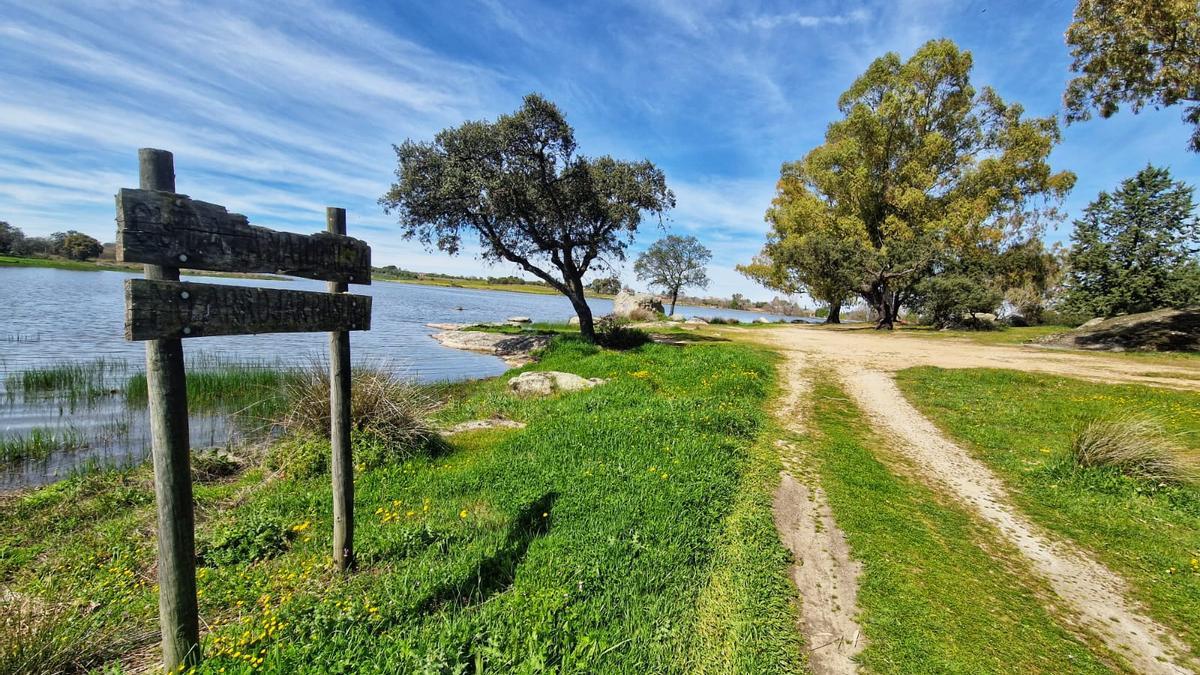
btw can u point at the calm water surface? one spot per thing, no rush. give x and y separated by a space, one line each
51 317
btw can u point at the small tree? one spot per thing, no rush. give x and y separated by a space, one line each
75 245
519 186
674 263
1135 52
605 285
1135 250
10 238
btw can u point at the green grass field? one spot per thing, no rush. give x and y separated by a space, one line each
938 592
626 530
1021 425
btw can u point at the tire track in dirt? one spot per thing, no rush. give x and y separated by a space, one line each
1097 595
824 573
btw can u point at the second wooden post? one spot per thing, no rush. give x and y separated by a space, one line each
342 466
167 393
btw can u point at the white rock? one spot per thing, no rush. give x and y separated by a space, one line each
628 303
547 382
697 321
762 319
573 321
519 319
514 349
476 425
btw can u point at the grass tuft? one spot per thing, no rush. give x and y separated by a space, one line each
1135 446
386 410
37 637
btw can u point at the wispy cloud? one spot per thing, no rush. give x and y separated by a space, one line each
278 109
771 21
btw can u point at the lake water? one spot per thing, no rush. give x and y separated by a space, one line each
51 317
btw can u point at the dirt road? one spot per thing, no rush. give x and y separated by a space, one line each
865 361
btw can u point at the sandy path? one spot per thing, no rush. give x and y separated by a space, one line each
1096 595
824 573
891 352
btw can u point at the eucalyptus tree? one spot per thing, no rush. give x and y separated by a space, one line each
1135 52
520 189
921 164
674 263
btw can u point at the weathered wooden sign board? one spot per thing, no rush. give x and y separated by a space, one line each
161 309
168 231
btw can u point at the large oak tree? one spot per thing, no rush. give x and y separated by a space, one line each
519 187
921 165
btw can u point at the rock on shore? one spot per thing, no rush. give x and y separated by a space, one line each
545 383
514 349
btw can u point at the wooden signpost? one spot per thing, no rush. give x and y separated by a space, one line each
167 231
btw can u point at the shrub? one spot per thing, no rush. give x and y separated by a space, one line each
1134 446
386 411
613 333
642 314
723 321
300 456
248 540
945 299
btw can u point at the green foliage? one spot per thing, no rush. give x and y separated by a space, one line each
300 456
946 300
519 186
922 167
75 245
10 238
613 333
610 285
674 263
243 541
1135 250
1135 52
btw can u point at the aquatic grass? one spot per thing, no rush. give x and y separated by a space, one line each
253 390
40 443
71 381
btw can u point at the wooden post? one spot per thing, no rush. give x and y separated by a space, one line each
342 468
167 391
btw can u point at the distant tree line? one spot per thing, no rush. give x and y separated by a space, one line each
71 244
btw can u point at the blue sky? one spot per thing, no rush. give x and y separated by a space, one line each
278 109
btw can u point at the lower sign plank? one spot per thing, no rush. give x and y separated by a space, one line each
174 309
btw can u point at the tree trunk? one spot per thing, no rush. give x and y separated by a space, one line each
886 311
674 296
587 327
835 312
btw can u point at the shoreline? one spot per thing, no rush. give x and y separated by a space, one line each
12 261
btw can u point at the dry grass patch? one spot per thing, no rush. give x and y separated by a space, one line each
1135 446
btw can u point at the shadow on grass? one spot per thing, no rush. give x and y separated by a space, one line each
496 572
680 339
